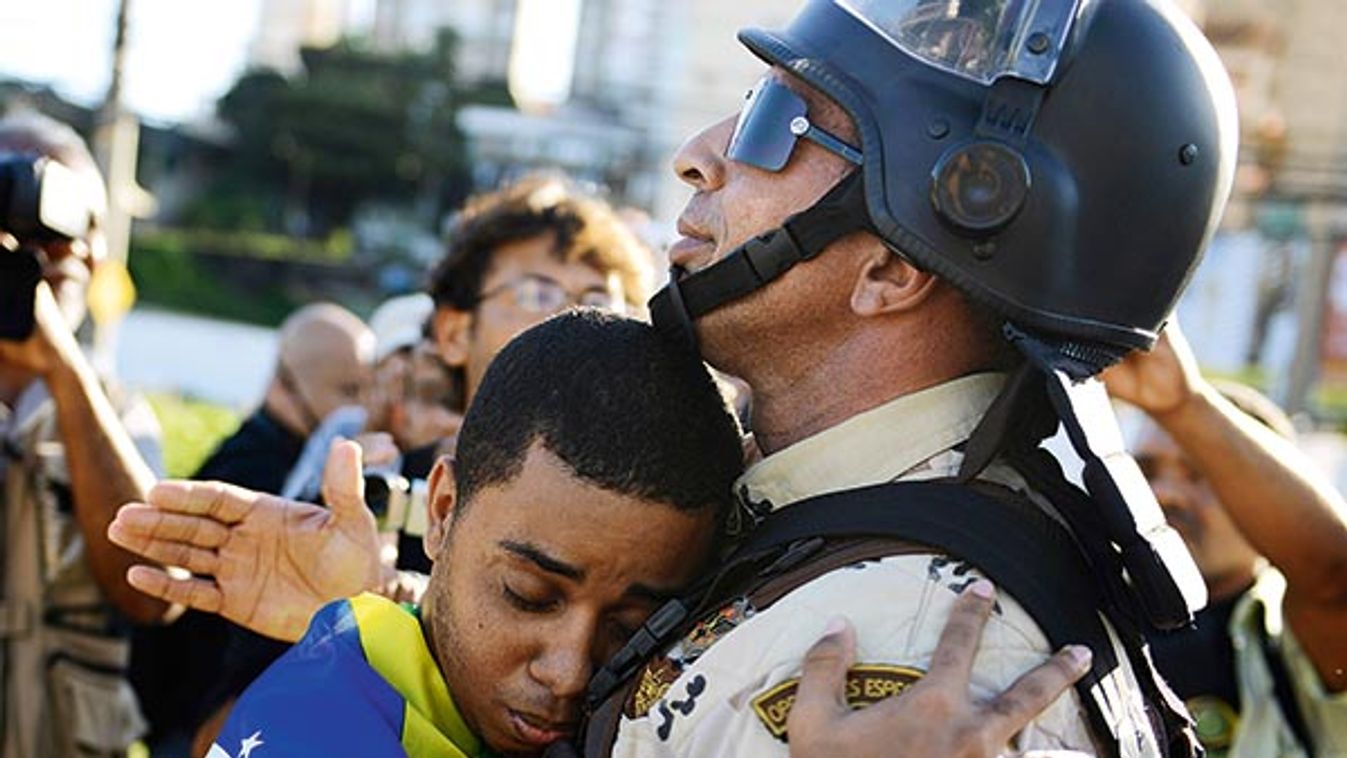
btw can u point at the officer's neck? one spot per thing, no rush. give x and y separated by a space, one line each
790 405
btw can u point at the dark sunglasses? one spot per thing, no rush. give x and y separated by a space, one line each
772 120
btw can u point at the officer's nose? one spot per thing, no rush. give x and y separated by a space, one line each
700 162
565 663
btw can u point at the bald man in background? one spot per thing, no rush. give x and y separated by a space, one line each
324 362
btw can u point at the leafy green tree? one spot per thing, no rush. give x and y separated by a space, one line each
354 125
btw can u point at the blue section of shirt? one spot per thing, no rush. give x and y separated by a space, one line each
319 699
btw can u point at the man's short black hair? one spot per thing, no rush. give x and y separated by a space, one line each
623 407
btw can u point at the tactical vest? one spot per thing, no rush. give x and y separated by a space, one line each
63 648
1058 574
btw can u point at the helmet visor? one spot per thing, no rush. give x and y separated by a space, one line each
980 40
773 118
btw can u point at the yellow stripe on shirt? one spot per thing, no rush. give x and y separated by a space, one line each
395 646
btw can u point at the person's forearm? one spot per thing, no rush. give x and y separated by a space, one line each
1286 510
106 471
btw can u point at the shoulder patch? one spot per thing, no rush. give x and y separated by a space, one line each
867 684
659 674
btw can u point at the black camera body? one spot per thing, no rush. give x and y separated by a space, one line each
398 503
40 201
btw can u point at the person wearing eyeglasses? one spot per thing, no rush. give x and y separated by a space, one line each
515 256
521 254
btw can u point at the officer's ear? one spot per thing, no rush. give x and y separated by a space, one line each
450 329
887 282
440 503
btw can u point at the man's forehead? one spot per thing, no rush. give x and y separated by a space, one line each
542 255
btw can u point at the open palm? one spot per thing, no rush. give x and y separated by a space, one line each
261 561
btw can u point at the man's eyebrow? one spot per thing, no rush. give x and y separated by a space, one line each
535 555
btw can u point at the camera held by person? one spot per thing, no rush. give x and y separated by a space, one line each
41 201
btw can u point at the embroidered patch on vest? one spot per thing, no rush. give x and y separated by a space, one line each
656 679
661 673
866 685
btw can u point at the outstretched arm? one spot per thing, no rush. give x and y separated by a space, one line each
937 715
1282 506
263 562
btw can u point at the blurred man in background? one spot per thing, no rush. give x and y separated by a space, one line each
413 392
324 358
1263 670
521 254
323 364
515 257
70 457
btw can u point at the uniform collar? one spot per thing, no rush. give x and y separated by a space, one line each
872 447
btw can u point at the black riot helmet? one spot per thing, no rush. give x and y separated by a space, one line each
1062 161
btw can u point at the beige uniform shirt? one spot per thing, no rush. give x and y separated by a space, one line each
1262 731
732 677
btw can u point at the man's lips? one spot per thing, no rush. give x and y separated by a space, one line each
535 731
691 252
693 248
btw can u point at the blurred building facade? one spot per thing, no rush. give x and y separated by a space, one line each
485 29
284 26
1264 297
647 74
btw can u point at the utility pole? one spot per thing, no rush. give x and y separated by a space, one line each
116 144
1323 221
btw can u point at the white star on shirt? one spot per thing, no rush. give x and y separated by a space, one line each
246 747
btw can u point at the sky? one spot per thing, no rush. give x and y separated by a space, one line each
183 54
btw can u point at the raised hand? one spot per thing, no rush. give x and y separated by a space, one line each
936 716
1158 381
261 561
51 342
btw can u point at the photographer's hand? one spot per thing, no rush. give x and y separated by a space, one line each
51 347
261 561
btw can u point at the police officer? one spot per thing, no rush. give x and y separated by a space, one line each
908 185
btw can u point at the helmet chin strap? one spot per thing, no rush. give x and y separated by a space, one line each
1057 382
749 267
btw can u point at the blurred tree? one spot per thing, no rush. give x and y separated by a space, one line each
354 125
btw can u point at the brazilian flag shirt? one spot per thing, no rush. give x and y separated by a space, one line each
361 683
